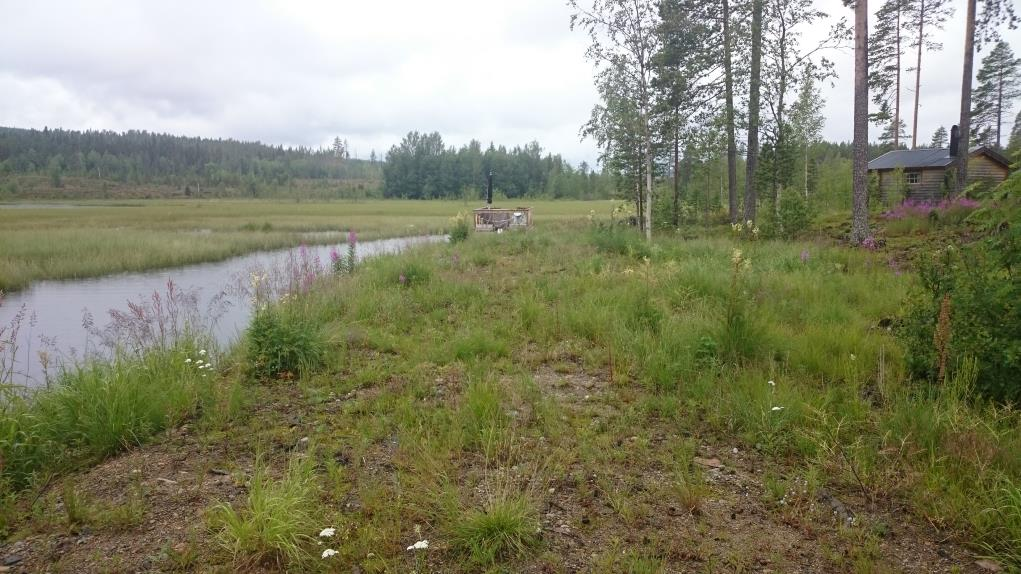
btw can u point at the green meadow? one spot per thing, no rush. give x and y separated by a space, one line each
567 399
89 239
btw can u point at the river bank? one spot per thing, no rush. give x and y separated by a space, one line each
96 238
564 400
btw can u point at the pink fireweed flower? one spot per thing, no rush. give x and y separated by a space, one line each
804 256
402 279
334 255
352 237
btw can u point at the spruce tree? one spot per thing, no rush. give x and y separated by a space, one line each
999 86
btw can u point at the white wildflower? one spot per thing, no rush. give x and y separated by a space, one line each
771 383
187 361
327 532
853 358
329 552
420 545
202 352
775 409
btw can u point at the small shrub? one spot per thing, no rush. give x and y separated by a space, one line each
460 229
283 344
505 529
611 239
795 216
274 521
967 308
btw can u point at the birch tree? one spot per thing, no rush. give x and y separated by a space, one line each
623 40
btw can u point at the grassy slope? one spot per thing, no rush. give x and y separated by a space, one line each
104 237
553 402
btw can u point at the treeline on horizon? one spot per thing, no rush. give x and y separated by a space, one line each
423 167
142 157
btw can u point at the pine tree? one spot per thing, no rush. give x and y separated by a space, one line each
890 137
886 48
978 28
999 86
754 88
860 196
924 18
1015 135
939 139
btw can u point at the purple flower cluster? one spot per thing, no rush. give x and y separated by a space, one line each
870 243
915 208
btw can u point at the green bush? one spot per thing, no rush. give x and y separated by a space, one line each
795 216
460 230
283 344
982 319
610 239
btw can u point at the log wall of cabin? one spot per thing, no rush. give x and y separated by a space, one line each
981 168
929 187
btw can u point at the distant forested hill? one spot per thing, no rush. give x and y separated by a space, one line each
57 163
151 159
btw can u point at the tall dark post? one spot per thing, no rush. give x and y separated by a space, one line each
489 190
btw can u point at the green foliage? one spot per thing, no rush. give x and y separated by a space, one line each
1000 525
795 216
283 343
461 229
504 529
984 321
276 519
421 166
96 410
620 241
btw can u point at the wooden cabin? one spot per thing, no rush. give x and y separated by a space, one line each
924 174
502 218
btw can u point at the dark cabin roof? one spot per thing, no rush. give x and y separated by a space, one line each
928 158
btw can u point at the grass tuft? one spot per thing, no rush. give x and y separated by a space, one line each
504 530
275 523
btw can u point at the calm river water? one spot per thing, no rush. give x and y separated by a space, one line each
55 309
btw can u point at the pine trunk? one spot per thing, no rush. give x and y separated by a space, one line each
896 104
999 107
966 77
731 137
860 209
753 113
648 183
677 177
918 72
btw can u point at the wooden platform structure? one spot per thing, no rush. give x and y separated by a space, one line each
499 219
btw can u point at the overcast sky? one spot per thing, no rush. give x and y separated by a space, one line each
301 72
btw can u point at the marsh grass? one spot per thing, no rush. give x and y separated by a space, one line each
98 238
97 409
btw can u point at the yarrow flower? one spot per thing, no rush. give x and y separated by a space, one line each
327 532
329 552
420 545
